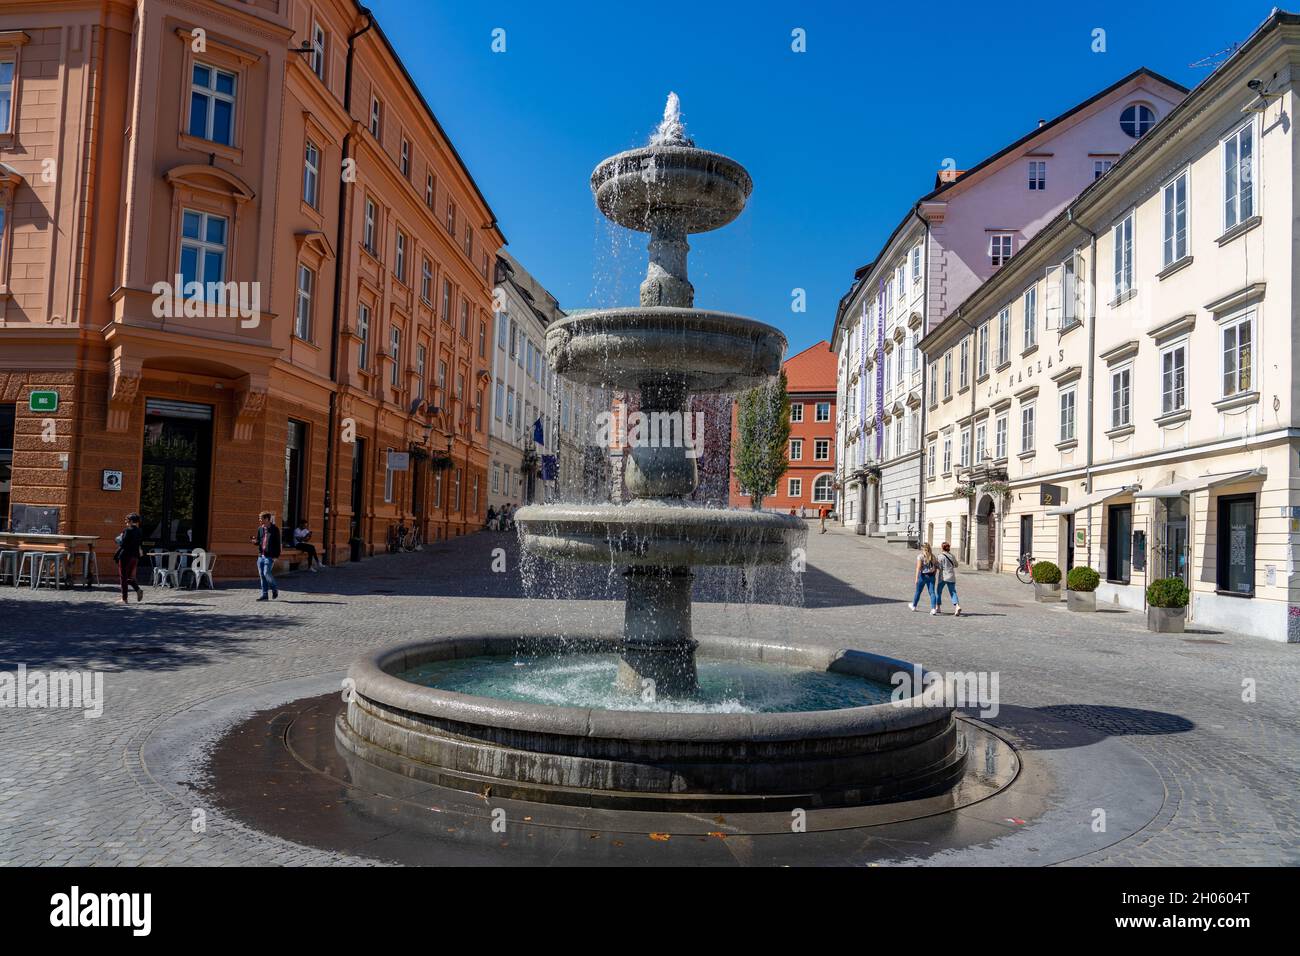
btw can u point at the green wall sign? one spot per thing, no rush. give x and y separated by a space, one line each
43 401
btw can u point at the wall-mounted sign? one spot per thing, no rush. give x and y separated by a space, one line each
1049 496
1080 538
112 480
45 400
399 460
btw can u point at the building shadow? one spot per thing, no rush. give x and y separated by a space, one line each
1066 726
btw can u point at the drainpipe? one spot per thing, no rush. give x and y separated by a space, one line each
336 321
1092 351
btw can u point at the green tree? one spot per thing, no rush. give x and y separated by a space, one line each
763 442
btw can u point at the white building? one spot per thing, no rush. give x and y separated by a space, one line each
950 241
1139 408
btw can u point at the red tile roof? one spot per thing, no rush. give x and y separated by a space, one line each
812 370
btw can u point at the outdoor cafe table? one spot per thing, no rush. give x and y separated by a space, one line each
67 543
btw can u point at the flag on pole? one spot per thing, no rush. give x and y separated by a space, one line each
537 432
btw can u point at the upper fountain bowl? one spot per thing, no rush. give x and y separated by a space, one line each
671 185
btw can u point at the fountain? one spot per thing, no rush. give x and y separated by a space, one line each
447 711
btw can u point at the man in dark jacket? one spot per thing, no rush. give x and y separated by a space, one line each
268 549
128 556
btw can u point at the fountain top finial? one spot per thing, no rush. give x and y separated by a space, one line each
671 131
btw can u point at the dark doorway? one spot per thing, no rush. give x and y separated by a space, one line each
295 450
1175 543
1069 542
1119 544
1236 545
358 485
1026 535
176 474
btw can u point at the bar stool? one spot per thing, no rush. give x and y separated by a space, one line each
9 566
89 565
56 563
26 566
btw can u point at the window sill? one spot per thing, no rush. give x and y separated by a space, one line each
1123 431
1070 327
1240 400
1173 418
1123 297
1176 266
299 340
1235 594
980 379
207 146
1005 364
1068 445
1240 229
1026 455
1029 350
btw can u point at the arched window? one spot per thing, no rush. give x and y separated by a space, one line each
1137 119
823 493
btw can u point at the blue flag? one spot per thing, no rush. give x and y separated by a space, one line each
537 432
550 468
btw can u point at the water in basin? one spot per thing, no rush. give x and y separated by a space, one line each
587 680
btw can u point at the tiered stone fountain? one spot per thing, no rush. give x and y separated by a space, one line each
457 711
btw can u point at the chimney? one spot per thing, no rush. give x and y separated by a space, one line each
1042 123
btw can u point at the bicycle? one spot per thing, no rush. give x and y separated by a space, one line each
1025 569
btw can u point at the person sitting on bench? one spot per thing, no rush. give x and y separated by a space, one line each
302 541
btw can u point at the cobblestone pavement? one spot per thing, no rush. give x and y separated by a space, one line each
75 791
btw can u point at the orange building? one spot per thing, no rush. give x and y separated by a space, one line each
239 247
808 483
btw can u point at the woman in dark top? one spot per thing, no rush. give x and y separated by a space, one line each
128 556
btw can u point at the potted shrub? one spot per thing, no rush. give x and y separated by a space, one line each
1047 582
1081 589
1167 605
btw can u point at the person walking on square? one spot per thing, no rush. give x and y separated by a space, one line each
128 556
268 549
948 578
926 567
824 512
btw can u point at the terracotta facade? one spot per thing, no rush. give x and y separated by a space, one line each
155 139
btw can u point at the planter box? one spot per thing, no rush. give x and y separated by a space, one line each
1166 620
1081 600
1047 593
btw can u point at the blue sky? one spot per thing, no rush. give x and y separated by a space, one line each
840 140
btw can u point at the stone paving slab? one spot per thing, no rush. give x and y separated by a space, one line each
75 790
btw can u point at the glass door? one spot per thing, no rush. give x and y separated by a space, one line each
1175 544
175 480
1119 544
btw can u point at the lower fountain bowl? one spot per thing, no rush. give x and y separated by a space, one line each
653 760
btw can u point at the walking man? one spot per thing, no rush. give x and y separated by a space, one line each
128 556
824 512
268 549
948 578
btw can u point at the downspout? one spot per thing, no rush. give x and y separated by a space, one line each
1092 351
336 321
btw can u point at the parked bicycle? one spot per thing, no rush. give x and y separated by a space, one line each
402 538
1025 569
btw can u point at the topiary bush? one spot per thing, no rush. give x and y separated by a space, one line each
1167 592
1045 572
1082 578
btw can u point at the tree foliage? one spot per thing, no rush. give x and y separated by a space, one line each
763 442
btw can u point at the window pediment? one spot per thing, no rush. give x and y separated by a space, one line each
210 179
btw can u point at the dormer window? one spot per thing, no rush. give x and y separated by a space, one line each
1137 119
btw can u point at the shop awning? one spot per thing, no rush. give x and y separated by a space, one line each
1096 498
1175 489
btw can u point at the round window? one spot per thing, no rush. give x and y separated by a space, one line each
1137 119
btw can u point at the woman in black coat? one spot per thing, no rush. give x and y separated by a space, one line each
128 556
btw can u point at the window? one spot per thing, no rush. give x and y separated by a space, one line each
455 487
929 459
1239 176
363 333
388 475
399 261
376 116
514 340
496 477
947 454
212 104
999 248
482 340
405 163
368 230
1069 403
1237 359
464 318
451 218
823 411
395 342
302 314
1235 571
501 330
823 490
1174 202
982 351
203 251
311 175
796 449
469 241
426 280
1119 543
442 381
794 487
6 96
500 401
981 442
1030 302
1136 120
963 452
1027 427
1121 397
796 412
1037 174
478 412
1004 336
428 190
916 265
1122 236
318 50
1173 379
821 449
510 406
1100 167
1000 437
947 372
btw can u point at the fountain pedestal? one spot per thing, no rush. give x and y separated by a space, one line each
658 653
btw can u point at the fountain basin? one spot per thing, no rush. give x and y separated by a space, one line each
658 534
687 188
698 349
649 760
